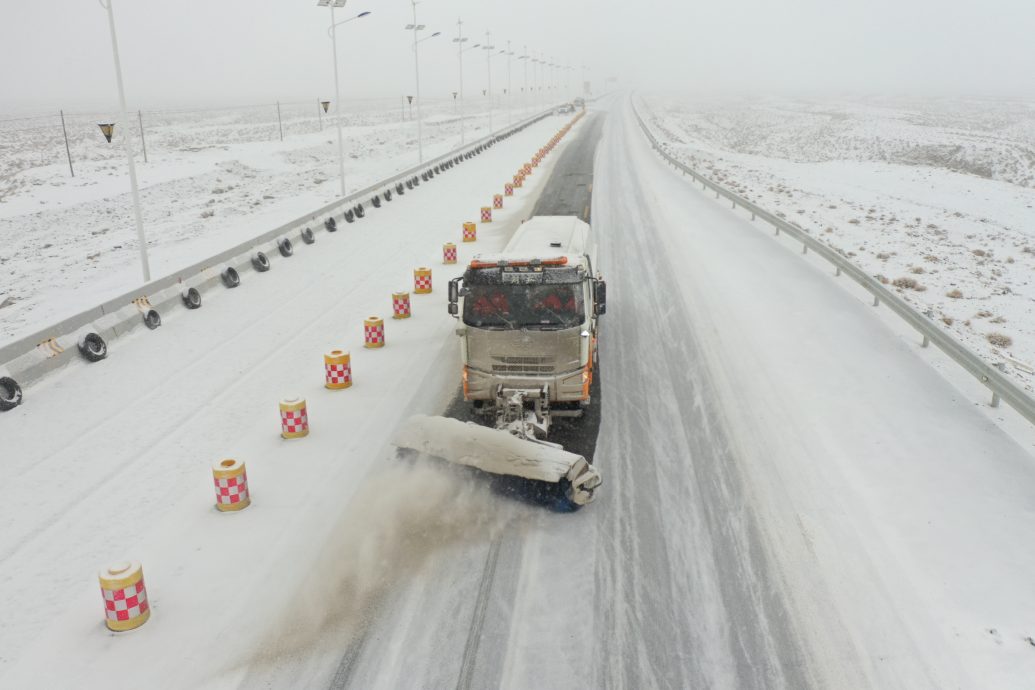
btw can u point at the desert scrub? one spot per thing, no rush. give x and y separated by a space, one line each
948 320
917 270
908 284
954 294
999 340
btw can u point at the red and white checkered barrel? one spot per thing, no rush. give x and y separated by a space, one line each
486 214
125 597
527 169
338 365
294 418
519 180
231 482
373 332
497 201
508 189
449 253
470 232
422 280
401 305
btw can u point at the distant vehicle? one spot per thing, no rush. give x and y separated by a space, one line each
580 103
565 108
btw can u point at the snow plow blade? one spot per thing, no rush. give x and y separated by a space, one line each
500 452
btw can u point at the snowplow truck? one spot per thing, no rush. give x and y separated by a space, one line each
528 334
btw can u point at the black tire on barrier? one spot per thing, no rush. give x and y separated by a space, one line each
423 177
416 181
152 319
376 201
409 184
387 195
231 278
307 236
285 247
437 170
260 262
350 216
359 211
400 189
191 299
92 347
330 224
10 394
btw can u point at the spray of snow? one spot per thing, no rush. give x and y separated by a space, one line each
401 516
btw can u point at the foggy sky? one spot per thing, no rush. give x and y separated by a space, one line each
226 52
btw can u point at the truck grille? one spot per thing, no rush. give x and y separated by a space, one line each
523 366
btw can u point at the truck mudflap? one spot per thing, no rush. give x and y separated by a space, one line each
501 452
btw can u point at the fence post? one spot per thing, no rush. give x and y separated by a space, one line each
319 112
140 119
67 149
837 271
280 125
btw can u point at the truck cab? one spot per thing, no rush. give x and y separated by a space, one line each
528 319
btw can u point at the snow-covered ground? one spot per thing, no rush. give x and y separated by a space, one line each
214 178
113 459
794 497
936 197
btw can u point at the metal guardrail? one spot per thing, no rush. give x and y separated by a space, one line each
987 374
30 357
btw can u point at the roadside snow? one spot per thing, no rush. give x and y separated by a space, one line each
113 459
215 178
937 198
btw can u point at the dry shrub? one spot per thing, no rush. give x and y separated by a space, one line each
978 252
905 283
998 319
917 270
948 320
954 294
999 340
883 279
884 256
1009 259
854 221
983 314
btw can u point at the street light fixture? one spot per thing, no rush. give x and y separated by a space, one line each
144 264
332 33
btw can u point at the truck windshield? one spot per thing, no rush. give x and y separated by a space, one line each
524 306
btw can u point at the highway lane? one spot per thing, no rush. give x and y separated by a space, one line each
663 582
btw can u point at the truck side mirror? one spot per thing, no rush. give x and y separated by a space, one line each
454 296
600 290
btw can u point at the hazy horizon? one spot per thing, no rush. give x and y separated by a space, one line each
198 54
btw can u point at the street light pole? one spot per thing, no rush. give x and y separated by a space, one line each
337 98
332 33
459 41
416 70
415 27
510 91
144 265
524 90
488 65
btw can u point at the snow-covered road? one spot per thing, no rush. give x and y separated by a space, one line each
793 497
